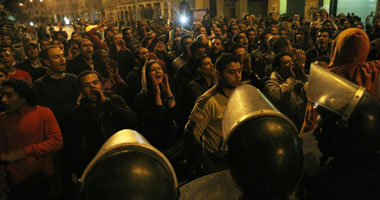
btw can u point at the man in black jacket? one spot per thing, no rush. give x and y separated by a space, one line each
33 65
98 116
84 60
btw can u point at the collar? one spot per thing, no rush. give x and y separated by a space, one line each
277 76
23 110
37 65
219 88
55 78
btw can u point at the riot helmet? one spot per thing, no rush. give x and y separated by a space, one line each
128 167
349 125
264 148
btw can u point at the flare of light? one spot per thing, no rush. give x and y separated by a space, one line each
184 19
67 21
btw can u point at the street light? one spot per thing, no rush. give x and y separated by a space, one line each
21 4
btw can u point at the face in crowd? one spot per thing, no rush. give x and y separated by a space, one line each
7 59
242 39
156 72
323 40
86 48
56 60
44 45
143 55
230 77
91 86
217 46
251 36
11 100
207 68
31 51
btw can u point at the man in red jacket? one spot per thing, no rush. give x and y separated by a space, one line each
29 135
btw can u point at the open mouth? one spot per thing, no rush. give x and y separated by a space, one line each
158 76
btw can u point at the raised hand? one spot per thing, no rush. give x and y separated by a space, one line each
156 87
100 94
165 84
301 57
157 91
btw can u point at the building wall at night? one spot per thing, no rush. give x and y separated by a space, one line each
37 10
64 8
125 10
361 8
239 8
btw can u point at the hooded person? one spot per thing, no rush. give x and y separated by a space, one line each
351 49
348 60
348 135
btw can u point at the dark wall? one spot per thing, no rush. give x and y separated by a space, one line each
258 7
295 6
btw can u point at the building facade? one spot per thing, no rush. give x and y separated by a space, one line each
125 10
134 10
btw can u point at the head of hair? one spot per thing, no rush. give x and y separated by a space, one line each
45 52
44 39
198 61
126 29
23 89
305 30
269 27
325 30
229 30
235 38
280 45
83 40
183 38
277 58
249 30
199 37
73 34
136 52
236 46
72 42
87 72
283 29
198 29
285 19
196 45
224 60
5 47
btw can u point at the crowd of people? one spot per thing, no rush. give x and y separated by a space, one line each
64 96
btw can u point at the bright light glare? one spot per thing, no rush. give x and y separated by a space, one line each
183 19
31 1
31 24
21 4
67 21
